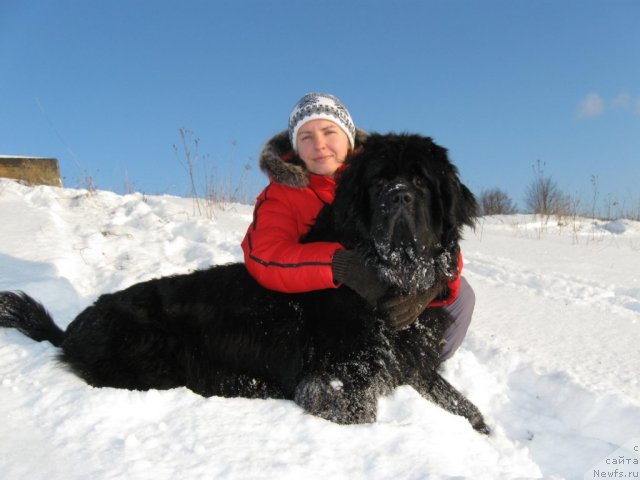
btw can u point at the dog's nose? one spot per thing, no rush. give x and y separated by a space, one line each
402 197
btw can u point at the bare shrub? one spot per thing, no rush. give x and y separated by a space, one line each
208 190
496 202
128 185
544 197
88 184
190 148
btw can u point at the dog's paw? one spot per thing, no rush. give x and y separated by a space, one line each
478 424
331 399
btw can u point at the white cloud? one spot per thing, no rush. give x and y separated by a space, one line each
594 105
591 106
623 101
626 101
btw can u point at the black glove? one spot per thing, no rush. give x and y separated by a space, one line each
351 269
401 311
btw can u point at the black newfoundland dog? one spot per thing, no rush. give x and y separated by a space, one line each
218 332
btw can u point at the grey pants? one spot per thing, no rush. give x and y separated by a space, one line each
461 310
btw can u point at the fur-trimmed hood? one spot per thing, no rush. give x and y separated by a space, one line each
282 164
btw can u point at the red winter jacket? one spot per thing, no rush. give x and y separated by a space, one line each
284 212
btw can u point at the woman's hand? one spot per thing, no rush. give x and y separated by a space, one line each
402 310
351 269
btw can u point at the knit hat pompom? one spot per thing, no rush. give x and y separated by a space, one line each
314 106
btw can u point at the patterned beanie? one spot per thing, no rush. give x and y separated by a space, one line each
315 106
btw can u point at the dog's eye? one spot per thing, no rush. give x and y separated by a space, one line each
419 182
379 183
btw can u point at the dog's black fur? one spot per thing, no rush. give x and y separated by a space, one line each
399 202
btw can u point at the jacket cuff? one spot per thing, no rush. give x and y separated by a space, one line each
340 265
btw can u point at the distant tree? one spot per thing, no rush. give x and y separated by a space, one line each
543 196
496 202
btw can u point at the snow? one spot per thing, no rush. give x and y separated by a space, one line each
551 358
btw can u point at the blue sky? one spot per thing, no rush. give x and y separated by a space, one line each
105 86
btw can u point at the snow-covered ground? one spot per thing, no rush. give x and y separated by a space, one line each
552 358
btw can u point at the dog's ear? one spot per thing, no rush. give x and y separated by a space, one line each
343 220
463 209
322 228
467 208
458 204
351 209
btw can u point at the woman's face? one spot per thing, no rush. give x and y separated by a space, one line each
322 146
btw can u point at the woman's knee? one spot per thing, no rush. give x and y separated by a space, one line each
465 303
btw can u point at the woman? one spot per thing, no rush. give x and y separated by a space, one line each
302 164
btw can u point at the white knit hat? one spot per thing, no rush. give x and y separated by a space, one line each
320 106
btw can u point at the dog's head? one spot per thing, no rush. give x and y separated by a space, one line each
401 200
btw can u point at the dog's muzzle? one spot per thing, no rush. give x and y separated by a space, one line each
395 226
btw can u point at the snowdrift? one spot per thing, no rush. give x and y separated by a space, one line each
551 358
